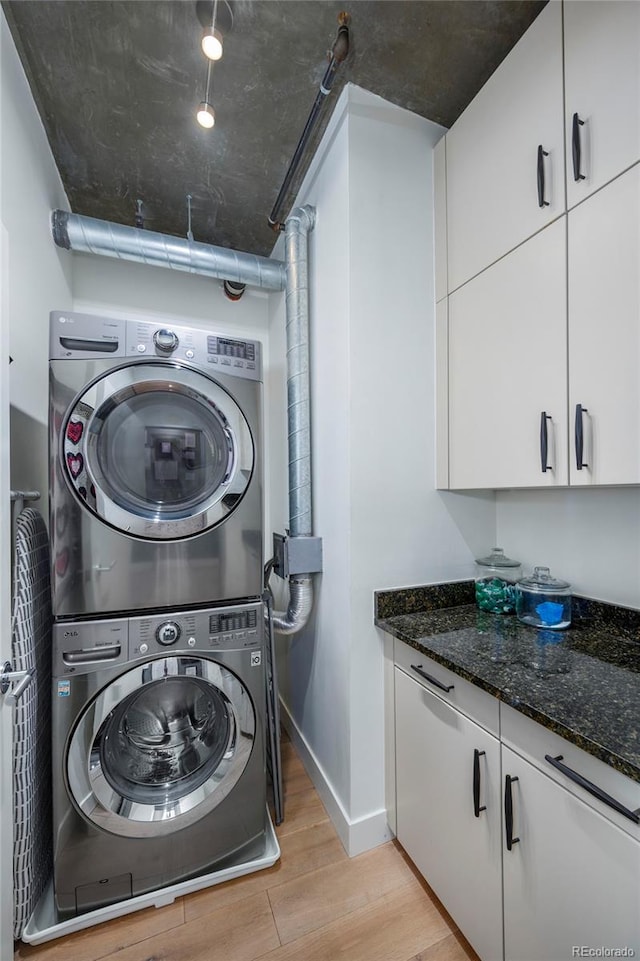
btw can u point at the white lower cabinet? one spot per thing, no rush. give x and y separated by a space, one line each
531 844
448 809
572 877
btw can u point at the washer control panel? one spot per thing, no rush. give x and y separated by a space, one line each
84 647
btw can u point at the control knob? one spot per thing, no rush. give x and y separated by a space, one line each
168 633
166 340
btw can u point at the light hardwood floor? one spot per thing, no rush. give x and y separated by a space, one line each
314 904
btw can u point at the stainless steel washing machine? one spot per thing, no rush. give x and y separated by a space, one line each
158 751
156 466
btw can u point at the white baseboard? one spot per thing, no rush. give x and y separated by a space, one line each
356 836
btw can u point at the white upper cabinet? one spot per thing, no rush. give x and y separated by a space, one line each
508 370
602 78
604 334
440 218
505 154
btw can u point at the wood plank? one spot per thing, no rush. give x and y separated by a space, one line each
302 852
104 940
303 810
393 928
336 890
243 934
294 776
451 948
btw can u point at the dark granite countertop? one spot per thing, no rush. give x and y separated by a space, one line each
582 683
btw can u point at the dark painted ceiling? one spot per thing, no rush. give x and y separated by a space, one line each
117 83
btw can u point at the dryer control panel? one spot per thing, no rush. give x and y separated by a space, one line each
85 647
75 336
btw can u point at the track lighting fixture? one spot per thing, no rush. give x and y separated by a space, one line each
206 116
212 43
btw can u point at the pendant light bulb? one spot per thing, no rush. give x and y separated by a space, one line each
212 43
206 116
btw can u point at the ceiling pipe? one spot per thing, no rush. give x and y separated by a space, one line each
75 232
339 54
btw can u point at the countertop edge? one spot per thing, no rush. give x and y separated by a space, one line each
575 737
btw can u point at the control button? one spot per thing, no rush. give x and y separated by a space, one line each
251 365
168 633
143 648
240 635
212 360
226 362
189 354
141 348
252 633
238 363
165 340
227 638
215 641
191 642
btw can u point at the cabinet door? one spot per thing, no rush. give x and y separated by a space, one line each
604 333
492 154
507 367
602 76
457 852
571 879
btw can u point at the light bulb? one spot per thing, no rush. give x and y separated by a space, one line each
205 115
212 43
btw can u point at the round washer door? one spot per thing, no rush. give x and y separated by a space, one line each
158 451
161 747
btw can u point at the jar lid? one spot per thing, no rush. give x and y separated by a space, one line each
542 581
497 558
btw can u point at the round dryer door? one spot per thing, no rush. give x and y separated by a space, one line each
158 451
161 747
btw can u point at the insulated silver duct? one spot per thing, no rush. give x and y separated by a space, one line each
74 232
297 227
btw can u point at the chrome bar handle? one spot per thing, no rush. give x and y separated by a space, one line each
7 677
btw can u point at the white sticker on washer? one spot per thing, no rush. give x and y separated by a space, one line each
256 658
64 688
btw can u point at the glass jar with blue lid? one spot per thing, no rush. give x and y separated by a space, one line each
543 601
496 581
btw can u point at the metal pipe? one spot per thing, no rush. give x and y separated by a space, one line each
339 53
298 225
75 232
299 606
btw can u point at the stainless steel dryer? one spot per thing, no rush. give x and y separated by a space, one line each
156 466
158 751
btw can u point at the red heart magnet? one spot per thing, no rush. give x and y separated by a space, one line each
75 463
74 430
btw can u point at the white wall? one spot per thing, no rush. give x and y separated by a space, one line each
375 506
589 537
39 274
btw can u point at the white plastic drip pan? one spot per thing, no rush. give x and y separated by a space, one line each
44 926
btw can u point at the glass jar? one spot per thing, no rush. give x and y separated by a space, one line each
495 582
543 601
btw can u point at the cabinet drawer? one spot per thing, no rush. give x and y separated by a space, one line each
471 700
533 742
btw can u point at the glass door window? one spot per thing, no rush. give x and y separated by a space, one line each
158 451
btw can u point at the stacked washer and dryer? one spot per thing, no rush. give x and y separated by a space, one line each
158 649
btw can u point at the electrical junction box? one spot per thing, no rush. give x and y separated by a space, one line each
296 555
